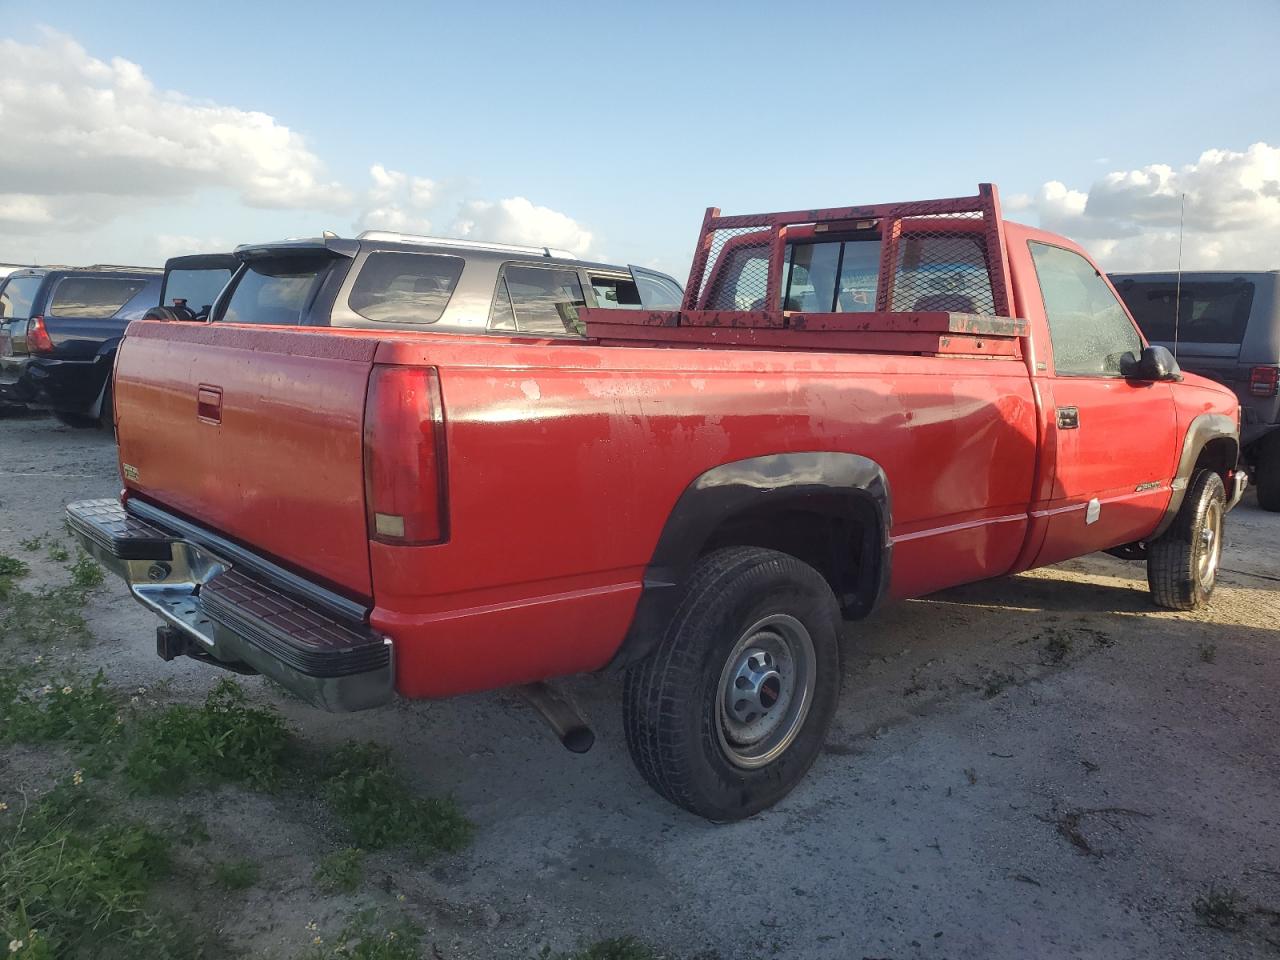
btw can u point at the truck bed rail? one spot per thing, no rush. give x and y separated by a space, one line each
941 287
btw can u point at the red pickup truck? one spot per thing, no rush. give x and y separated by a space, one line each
850 406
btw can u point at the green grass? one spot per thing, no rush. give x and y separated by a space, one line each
222 741
44 617
363 938
236 874
75 882
371 800
86 573
340 871
72 711
31 544
11 569
58 553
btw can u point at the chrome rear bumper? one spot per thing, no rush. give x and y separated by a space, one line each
235 612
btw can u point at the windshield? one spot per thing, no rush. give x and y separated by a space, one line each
17 296
199 288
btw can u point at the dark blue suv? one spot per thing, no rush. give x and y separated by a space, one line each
59 329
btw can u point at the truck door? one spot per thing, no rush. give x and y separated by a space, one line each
1113 441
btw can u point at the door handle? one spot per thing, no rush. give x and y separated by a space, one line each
209 403
1068 418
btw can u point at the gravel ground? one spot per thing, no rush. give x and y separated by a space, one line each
1041 766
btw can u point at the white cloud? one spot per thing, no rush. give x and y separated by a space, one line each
397 201
88 139
1129 219
517 220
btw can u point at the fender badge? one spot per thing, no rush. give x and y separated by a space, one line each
1143 487
130 471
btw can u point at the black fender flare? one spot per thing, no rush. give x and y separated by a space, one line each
1203 429
841 484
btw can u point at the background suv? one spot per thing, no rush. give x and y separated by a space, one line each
1225 326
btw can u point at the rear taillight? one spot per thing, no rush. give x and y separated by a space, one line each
404 456
1263 381
38 339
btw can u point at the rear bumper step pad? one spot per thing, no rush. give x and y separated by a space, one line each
233 616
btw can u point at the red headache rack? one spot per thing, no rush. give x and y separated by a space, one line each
925 277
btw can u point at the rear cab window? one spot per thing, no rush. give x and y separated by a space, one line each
276 291
936 270
616 293
1198 311
543 301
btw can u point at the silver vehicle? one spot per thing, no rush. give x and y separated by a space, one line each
397 281
1225 326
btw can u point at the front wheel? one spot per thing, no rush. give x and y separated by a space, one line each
726 716
1182 563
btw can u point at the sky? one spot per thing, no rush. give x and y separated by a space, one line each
134 131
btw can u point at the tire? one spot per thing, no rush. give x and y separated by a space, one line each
1268 474
1182 563
80 421
744 619
106 415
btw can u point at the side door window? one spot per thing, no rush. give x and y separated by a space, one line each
405 288
1088 327
94 298
543 301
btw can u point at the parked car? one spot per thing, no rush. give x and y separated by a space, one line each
59 327
1224 326
386 468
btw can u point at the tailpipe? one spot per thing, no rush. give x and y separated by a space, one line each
570 726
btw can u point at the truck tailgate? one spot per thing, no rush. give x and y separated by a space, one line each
254 433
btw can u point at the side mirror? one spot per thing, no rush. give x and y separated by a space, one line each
1155 364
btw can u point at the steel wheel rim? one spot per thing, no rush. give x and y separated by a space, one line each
1210 552
765 691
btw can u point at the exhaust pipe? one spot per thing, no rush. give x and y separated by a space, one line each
563 717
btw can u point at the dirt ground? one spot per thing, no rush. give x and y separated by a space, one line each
1042 766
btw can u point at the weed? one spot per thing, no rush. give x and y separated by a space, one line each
372 801
1058 648
46 617
73 711
364 939
615 948
236 874
12 566
58 553
86 573
1208 652
995 683
1069 824
340 871
74 882
222 740
1221 909
31 544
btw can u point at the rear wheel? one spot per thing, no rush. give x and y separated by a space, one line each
1268 474
1182 563
726 716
